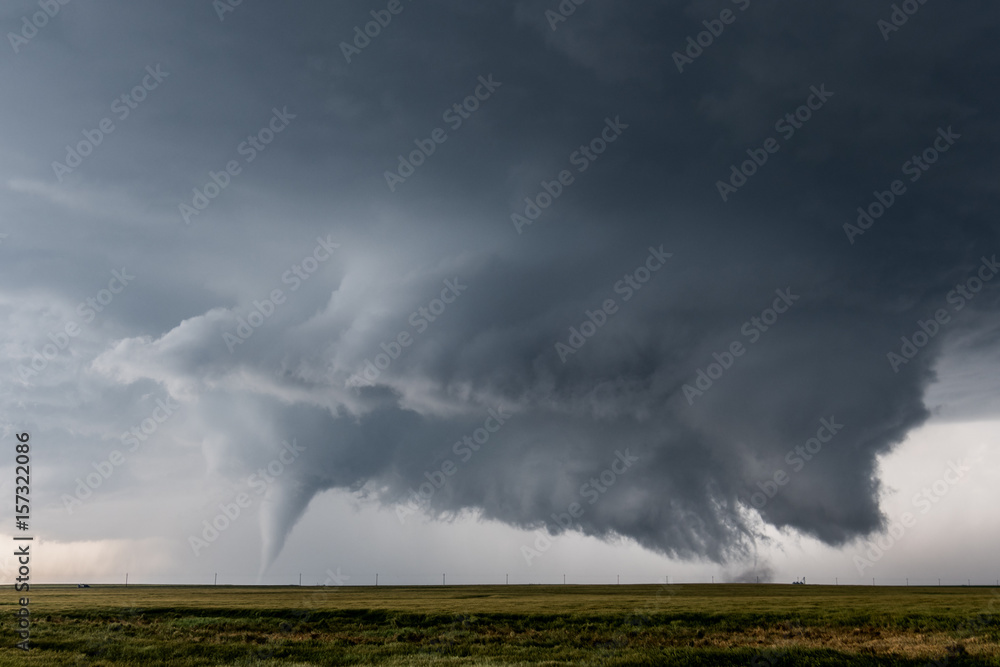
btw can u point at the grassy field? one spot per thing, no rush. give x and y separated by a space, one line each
759 625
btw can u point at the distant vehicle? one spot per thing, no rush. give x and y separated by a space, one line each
83 585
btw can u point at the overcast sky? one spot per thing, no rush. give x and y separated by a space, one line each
691 289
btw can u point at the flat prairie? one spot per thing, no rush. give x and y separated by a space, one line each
679 624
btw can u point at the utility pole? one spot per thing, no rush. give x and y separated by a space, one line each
442 580
376 578
300 578
619 579
506 579
126 580
564 580
216 579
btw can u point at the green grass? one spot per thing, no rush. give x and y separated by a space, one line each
765 625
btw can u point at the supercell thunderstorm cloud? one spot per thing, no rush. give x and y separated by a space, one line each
678 273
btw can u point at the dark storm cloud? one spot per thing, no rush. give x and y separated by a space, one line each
700 457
